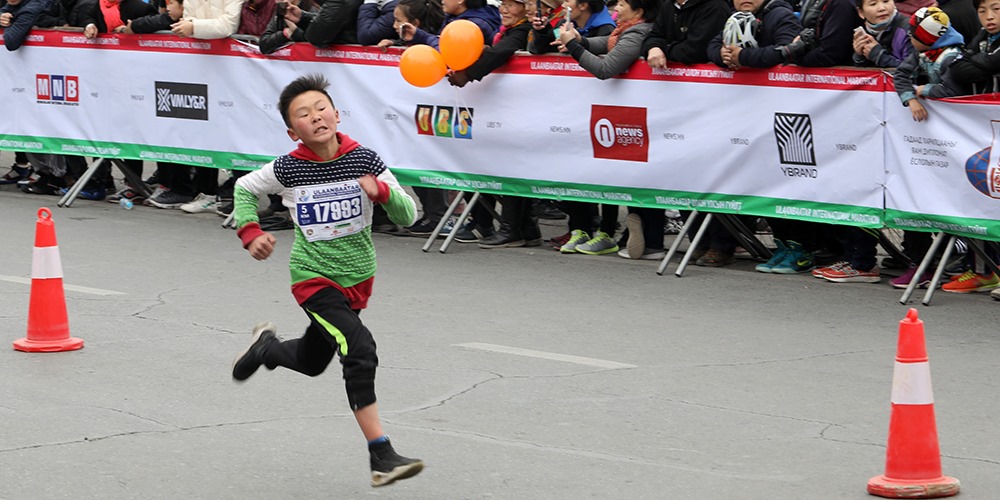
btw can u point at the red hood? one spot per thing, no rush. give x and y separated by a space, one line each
346 146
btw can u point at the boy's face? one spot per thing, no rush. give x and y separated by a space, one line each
747 5
877 11
313 119
989 16
175 9
920 46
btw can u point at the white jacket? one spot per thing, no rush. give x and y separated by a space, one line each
213 18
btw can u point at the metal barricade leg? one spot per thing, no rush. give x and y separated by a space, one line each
940 268
677 242
442 222
67 200
694 244
922 268
133 179
461 221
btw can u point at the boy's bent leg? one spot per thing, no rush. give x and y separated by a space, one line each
331 313
308 355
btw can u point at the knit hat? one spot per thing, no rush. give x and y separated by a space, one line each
928 24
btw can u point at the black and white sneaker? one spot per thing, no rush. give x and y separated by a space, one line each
248 361
388 466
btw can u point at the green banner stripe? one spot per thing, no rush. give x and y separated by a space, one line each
983 229
129 151
643 197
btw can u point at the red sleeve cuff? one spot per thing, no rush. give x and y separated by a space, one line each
248 233
383 192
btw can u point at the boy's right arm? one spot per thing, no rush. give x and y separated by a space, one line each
245 195
902 79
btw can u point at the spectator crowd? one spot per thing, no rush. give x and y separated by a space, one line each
933 49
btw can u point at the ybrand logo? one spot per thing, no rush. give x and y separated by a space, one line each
794 133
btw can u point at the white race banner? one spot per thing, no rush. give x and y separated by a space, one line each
941 173
788 142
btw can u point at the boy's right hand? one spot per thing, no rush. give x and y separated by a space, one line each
918 110
262 246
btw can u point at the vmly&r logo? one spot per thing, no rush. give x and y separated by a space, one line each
182 100
619 133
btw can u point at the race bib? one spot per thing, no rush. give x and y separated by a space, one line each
329 211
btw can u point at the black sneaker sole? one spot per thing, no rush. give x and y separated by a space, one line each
258 330
401 472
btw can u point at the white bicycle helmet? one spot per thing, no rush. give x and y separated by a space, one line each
740 30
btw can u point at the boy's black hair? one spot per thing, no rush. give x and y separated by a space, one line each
301 85
428 12
475 4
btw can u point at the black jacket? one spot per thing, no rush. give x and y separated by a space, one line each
779 26
979 65
962 16
336 22
835 36
683 34
513 40
274 36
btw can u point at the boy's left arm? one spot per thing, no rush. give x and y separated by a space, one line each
400 207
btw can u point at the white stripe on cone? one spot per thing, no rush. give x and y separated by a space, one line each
45 263
911 384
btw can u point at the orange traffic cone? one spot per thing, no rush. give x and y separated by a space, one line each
913 459
48 325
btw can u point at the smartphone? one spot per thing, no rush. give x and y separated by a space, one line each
281 8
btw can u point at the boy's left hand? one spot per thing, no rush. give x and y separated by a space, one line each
369 185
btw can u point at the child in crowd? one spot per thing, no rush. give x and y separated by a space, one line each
882 40
771 23
332 182
425 15
937 46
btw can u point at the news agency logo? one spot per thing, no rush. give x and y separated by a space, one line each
182 100
57 89
619 133
443 121
794 133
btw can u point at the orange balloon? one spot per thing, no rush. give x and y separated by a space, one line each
461 44
422 66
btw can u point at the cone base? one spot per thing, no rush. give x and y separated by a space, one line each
943 486
67 344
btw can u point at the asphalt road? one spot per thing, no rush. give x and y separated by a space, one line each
514 373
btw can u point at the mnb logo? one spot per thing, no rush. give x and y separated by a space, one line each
443 121
619 133
794 133
58 89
